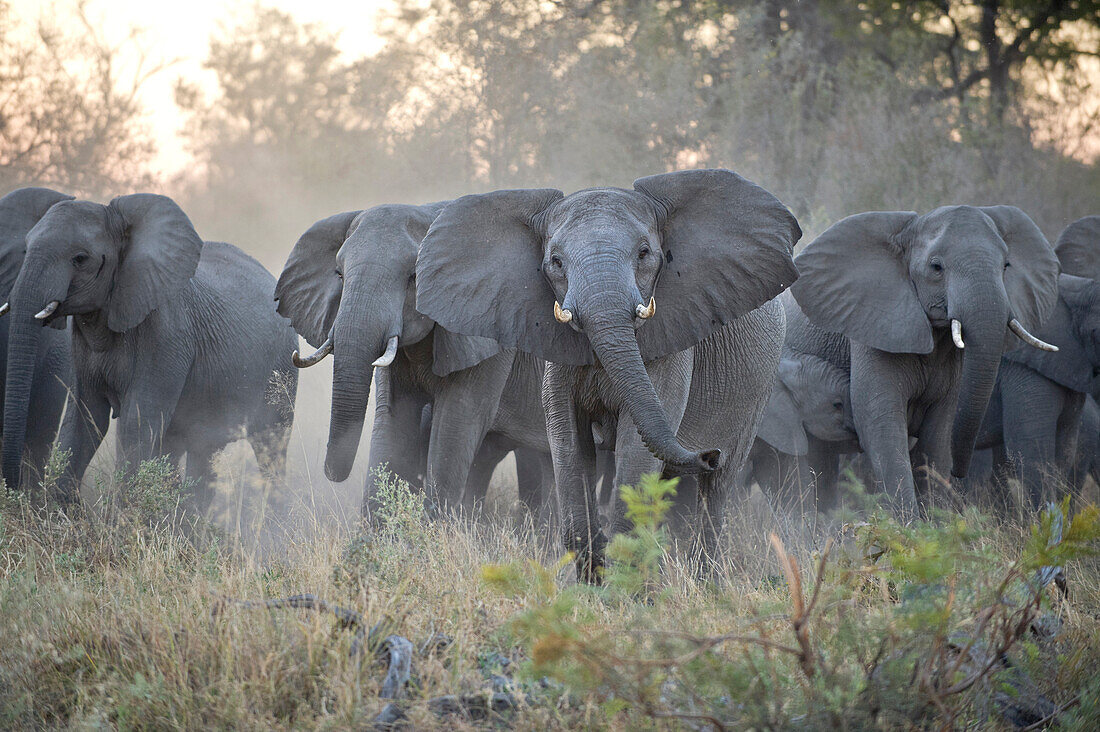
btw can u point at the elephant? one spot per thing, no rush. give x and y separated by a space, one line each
918 310
349 288
1078 248
176 337
809 412
1087 462
51 372
1036 410
682 385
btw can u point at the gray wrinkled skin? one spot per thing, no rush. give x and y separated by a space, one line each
1036 410
20 210
877 293
175 337
449 407
681 391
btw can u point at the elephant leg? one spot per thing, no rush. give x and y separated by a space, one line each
880 411
199 474
87 418
823 466
534 478
931 456
1067 432
573 451
493 449
395 436
462 414
1031 406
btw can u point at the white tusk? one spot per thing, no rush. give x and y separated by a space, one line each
646 311
5 309
391 351
957 334
316 357
47 311
1018 328
561 315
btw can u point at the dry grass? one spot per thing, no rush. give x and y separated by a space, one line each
106 621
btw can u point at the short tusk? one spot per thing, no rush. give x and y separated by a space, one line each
957 334
47 311
316 357
646 311
561 315
1018 328
391 351
5 309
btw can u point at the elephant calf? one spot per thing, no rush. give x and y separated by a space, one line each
809 413
177 337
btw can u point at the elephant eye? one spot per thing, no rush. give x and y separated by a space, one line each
1007 265
838 406
555 260
80 259
936 266
643 252
339 275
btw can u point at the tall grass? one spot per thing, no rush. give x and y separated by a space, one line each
106 620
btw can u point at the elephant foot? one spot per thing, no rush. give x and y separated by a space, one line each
588 554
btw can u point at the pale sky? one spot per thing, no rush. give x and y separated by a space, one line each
182 31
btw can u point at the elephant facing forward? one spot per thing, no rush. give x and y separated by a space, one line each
20 210
918 309
177 337
350 287
647 305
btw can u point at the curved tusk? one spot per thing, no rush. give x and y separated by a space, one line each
1021 332
47 311
561 315
646 311
957 334
5 309
391 351
315 358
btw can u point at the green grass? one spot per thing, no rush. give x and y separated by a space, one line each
106 621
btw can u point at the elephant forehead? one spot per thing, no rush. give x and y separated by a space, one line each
595 212
69 221
966 225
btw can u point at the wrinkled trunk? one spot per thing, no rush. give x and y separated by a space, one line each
984 333
609 325
33 289
359 337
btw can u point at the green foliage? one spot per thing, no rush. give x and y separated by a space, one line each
894 629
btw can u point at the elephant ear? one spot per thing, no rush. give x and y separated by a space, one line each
781 426
1070 365
308 291
854 279
453 352
1031 279
1078 248
160 251
20 210
479 273
728 247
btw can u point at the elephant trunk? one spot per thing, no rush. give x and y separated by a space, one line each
352 373
609 324
984 333
33 290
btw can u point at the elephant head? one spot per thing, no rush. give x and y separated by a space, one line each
349 289
1078 248
1074 327
114 263
899 282
619 276
810 397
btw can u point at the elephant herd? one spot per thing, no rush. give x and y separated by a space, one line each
598 336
